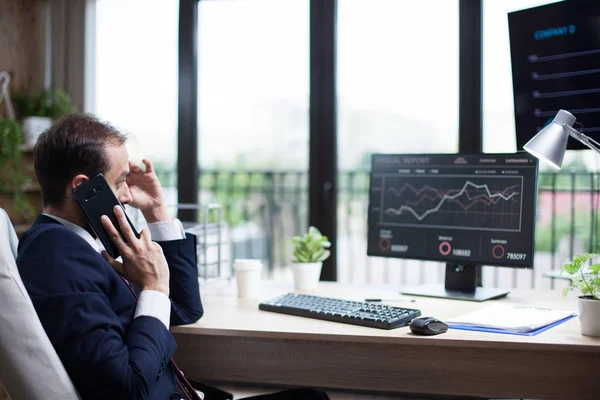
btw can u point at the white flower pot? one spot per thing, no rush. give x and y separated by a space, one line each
306 275
589 316
33 128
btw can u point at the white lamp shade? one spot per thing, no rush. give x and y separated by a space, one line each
550 143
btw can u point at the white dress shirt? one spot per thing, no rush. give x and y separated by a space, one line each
151 303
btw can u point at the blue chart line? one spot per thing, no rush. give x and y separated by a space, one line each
398 211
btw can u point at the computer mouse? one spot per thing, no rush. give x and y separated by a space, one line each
427 326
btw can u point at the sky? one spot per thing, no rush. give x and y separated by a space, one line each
397 78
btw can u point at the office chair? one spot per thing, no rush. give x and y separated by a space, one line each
29 366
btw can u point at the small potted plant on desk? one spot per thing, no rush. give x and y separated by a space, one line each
309 253
587 280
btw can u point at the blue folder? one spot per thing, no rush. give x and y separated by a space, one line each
509 331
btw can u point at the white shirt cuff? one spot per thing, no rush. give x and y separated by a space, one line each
152 303
165 231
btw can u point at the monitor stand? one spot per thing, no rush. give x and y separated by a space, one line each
461 283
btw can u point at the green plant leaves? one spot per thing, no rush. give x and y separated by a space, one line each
10 140
571 268
587 280
312 247
53 103
300 256
595 269
10 159
325 255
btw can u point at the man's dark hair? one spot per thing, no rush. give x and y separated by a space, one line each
75 144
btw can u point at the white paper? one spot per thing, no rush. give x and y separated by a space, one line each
515 318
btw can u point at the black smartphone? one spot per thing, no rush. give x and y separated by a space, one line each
96 198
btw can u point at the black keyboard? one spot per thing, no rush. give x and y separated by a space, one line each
375 315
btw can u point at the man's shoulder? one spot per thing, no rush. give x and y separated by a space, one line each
52 252
53 236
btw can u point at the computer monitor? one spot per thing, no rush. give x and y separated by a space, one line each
555 53
466 210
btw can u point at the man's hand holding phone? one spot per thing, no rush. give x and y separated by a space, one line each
143 264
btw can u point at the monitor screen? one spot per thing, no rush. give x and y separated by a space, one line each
456 208
555 54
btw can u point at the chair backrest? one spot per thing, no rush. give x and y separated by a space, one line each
29 366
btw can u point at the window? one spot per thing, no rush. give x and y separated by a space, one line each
136 77
253 84
253 122
397 78
397 71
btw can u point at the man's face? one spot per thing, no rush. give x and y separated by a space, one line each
116 176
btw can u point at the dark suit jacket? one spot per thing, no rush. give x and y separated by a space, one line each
87 312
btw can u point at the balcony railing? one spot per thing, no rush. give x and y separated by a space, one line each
264 209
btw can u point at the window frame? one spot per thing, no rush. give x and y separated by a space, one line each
322 107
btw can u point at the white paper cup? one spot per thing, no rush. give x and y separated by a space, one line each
247 274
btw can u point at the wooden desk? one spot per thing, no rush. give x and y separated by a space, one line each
236 342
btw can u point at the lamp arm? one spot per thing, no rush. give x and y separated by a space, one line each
588 141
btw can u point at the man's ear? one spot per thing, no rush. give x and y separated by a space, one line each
78 180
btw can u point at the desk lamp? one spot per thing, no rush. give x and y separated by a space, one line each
550 143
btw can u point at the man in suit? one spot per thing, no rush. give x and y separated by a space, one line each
107 319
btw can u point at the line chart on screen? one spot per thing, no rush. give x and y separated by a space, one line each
475 202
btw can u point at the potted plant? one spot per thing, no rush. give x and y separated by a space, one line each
587 280
38 111
309 253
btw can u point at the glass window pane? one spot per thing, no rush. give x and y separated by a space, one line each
397 78
397 93
136 77
253 121
498 104
253 80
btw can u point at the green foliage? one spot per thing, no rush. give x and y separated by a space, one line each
573 174
233 191
562 229
10 140
564 181
312 247
52 103
588 281
10 160
243 195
